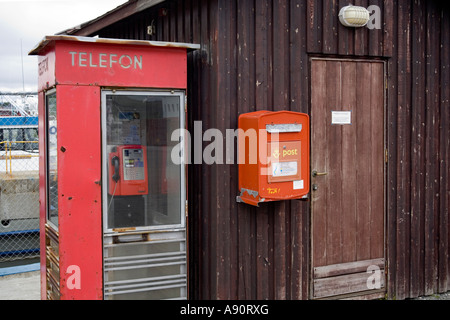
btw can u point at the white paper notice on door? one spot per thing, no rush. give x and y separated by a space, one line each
341 117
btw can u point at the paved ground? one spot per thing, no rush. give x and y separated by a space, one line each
26 286
22 286
444 296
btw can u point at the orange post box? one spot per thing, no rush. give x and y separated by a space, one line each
273 156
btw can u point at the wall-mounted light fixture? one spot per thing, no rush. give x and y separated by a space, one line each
354 16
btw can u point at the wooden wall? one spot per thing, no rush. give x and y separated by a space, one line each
255 55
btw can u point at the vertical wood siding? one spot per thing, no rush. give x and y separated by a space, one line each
255 55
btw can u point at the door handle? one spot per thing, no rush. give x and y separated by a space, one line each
319 174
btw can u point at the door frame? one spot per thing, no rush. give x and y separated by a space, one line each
363 294
183 168
160 234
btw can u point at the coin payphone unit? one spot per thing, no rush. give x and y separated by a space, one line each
112 203
128 183
128 171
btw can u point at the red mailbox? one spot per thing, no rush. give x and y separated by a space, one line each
274 156
112 204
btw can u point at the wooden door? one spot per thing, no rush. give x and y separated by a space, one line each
348 155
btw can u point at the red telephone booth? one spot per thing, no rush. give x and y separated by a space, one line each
112 203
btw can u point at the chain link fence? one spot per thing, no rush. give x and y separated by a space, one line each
19 188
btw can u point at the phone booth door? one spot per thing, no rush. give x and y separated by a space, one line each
144 196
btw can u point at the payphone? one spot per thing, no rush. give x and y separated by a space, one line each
128 171
112 203
128 182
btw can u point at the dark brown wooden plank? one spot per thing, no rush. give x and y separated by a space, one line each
361 34
319 161
363 148
209 222
417 148
403 147
180 24
444 232
389 6
345 35
173 22
165 23
299 209
187 27
306 250
280 55
245 61
390 9
314 26
280 102
377 215
235 210
432 164
341 285
371 295
221 173
262 53
262 74
208 244
195 222
296 253
349 156
297 45
245 85
330 24
279 245
346 268
305 213
376 35
334 177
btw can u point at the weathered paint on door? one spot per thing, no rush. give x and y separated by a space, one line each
348 161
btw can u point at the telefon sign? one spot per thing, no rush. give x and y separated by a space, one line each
105 60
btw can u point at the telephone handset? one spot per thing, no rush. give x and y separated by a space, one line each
128 171
115 162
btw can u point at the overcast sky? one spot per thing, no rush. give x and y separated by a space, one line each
25 22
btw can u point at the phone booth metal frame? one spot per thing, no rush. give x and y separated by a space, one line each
99 97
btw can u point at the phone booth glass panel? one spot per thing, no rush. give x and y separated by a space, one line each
52 157
145 194
144 185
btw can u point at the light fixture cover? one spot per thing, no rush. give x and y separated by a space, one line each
354 16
